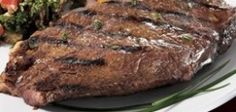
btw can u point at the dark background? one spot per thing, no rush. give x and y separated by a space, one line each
228 107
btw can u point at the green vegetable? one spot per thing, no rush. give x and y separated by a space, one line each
34 14
156 16
64 36
97 24
134 2
187 37
14 23
29 11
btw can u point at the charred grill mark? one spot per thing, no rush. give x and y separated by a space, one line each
42 86
84 62
89 13
58 42
131 49
34 41
63 24
48 83
67 88
69 60
47 86
70 87
57 35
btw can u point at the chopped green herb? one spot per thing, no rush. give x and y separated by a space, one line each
64 36
187 37
115 47
134 2
97 24
156 16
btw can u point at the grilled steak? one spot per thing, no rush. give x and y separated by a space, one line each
117 48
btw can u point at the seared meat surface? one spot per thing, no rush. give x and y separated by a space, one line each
117 48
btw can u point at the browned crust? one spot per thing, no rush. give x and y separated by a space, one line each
54 70
3 87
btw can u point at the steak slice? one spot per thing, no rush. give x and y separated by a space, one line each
212 23
127 26
98 52
184 7
95 64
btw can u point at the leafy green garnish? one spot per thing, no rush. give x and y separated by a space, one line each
134 2
64 36
14 23
156 16
97 24
37 6
31 15
187 37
